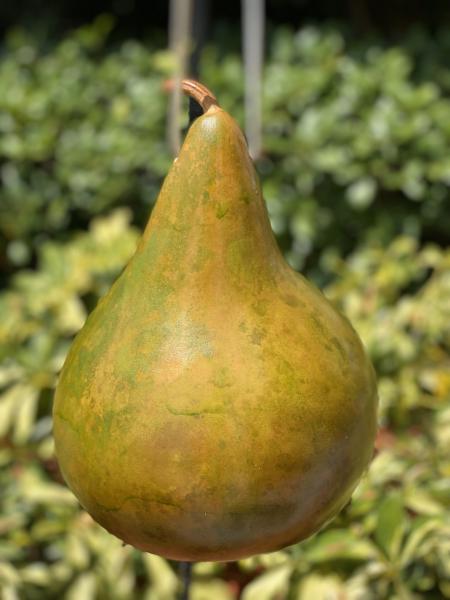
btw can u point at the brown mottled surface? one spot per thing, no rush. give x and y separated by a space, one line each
215 405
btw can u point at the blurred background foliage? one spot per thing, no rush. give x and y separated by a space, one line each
356 174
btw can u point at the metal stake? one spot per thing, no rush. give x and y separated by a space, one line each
185 572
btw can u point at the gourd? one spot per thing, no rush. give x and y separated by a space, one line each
215 404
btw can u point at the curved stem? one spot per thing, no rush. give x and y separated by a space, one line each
200 93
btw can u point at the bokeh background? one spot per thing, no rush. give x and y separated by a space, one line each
355 168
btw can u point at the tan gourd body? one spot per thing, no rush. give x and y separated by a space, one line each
215 405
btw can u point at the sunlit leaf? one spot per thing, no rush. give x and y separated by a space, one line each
84 586
163 580
340 544
390 524
321 588
213 588
270 585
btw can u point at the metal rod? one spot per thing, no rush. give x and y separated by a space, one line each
185 572
253 17
180 28
200 30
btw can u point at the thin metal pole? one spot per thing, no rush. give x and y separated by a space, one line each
185 572
253 17
200 29
180 29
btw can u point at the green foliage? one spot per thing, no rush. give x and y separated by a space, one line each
357 134
82 130
355 172
79 132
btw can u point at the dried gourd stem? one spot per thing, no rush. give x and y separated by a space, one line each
200 93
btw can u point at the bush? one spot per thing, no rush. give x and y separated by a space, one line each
355 173
355 148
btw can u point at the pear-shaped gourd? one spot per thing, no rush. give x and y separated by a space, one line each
215 405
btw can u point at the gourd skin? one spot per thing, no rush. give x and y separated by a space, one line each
215 405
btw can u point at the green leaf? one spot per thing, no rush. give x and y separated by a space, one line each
390 524
9 402
84 586
47 493
37 574
25 415
8 575
362 193
265 561
76 552
340 544
206 590
163 580
270 585
421 529
319 587
10 592
422 502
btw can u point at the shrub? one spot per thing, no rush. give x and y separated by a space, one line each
355 174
